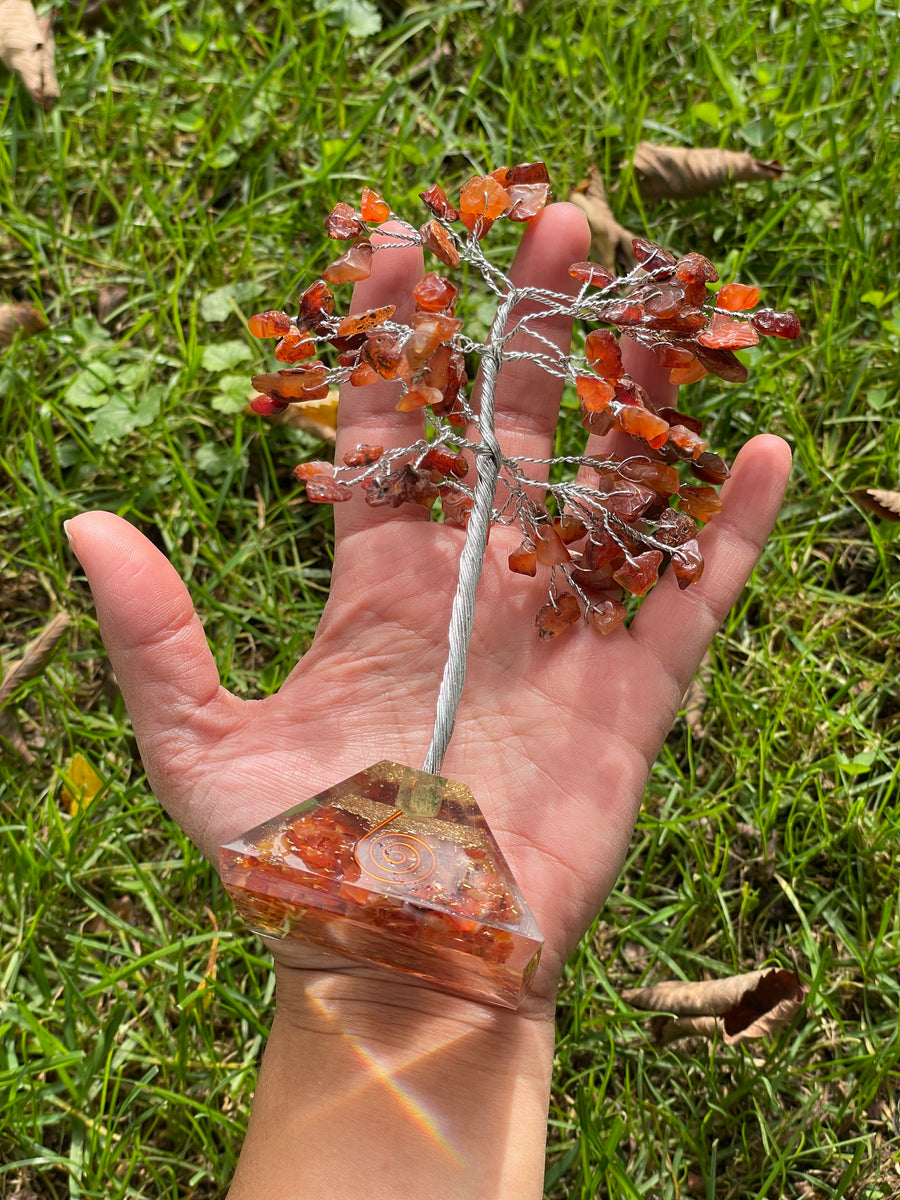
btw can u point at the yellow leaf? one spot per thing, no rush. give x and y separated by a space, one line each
81 785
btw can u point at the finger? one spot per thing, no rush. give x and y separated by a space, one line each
527 399
677 626
367 415
153 636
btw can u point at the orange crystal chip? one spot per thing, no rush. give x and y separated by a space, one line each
269 324
436 239
554 619
602 351
594 394
429 333
481 201
523 561
690 373
570 528
550 547
393 867
374 207
526 200
737 297
364 321
638 575
294 346
434 293
592 273
606 615
384 354
436 201
640 422
353 265
724 334
699 502
293 383
419 396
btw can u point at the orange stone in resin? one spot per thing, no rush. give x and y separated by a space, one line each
396 868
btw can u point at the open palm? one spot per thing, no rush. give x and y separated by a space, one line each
554 739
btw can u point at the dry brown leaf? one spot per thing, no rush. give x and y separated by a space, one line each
16 317
318 417
27 48
736 1009
37 654
108 300
882 504
678 172
610 241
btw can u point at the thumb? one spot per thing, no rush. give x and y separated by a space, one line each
148 624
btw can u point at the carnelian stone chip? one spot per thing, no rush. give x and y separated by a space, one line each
362 375
570 528
665 300
353 265
429 331
724 334
722 362
699 502
481 201
530 172
554 619
435 199
457 505
294 346
778 324
606 615
592 273
737 297
638 575
265 406
294 383
363 455
623 312
686 441
657 475
393 867
315 303
374 207
710 467
594 394
364 321
269 324
694 268
601 348
687 563
344 223
639 422
436 239
447 462
651 256
313 468
433 293
419 396
524 560
321 490
526 200
384 354
550 547
690 373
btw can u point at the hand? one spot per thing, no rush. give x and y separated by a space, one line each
555 740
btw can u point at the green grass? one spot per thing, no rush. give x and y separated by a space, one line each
189 163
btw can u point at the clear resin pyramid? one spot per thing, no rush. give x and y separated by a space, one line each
395 867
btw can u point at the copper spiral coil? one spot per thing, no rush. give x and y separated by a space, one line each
395 857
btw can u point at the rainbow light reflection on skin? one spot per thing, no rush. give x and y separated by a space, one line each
386 1069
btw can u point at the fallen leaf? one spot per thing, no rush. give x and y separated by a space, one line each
696 696
611 243
26 47
678 172
736 1009
108 300
318 417
81 785
882 504
19 317
36 656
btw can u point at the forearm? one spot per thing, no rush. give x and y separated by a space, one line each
382 1089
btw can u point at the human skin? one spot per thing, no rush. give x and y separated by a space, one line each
372 1085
